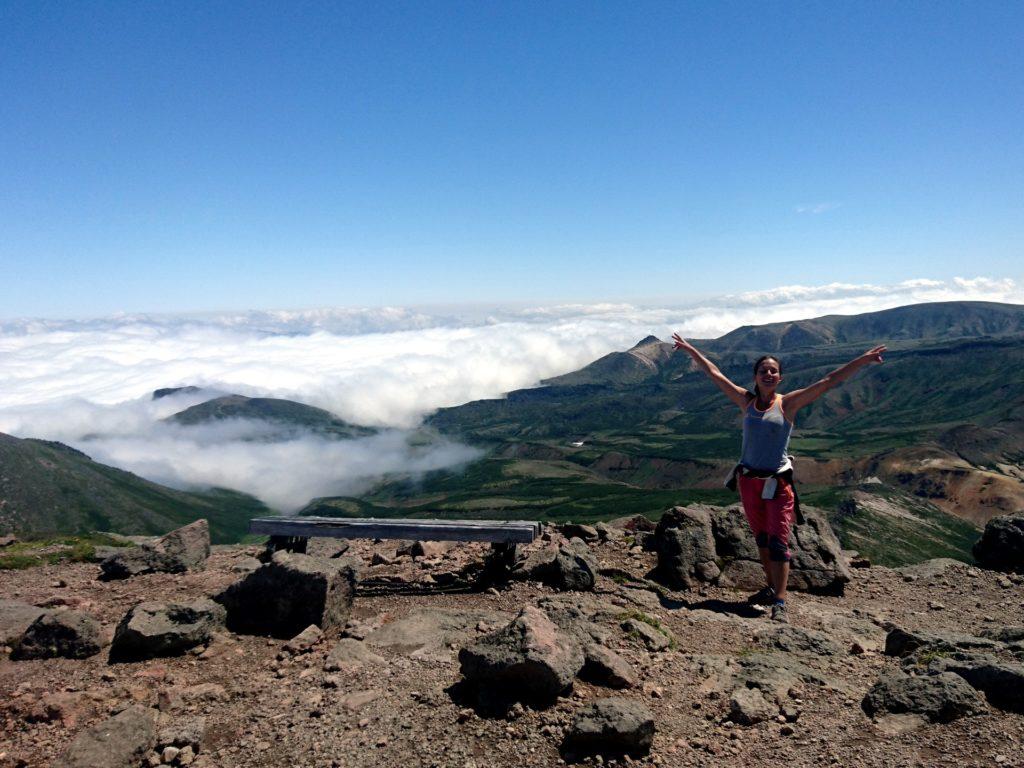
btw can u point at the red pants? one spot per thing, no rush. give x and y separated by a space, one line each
770 519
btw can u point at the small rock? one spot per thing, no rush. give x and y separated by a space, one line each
605 667
749 706
123 741
349 654
305 640
653 639
612 726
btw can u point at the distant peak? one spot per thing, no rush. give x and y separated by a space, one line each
647 341
168 391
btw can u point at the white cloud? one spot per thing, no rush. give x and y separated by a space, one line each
285 474
816 208
87 382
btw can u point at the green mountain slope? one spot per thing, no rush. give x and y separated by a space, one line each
286 414
47 487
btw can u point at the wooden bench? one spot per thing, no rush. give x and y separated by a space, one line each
293 533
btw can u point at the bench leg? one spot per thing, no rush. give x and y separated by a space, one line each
287 543
497 565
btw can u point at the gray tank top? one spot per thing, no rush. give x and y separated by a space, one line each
765 437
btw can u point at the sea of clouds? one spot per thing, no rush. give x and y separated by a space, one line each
89 382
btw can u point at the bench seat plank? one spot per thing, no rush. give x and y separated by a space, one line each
508 532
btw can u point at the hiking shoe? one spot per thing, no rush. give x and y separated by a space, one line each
765 597
779 613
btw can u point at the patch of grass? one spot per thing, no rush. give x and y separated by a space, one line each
18 562
927 657
37 551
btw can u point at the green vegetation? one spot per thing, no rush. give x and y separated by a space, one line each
54 549
50 487
925 658
891 527
649 621
285 414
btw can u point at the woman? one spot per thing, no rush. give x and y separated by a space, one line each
764 472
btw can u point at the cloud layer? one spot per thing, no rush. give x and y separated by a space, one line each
87 382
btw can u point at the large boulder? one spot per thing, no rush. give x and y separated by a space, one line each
15 618
817 560
123 741
529 660
180 550
1002 682
1001 546
904 642
150 630
686 547
614 727
939 698
286 595
562 567
66 634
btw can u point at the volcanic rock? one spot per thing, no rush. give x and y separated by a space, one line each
939 698
902 642
612 727
793 639
152 629
180 550
686 548
430 548
748 706
1002 682
289 593
305 640
60 633
605 667
564 568
528 660
15 618
348 655
578 530
633 523
654 639
429 632
1001 547
123 741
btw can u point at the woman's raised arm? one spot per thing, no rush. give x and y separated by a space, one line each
731 390
796 400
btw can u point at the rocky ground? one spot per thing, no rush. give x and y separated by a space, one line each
390 695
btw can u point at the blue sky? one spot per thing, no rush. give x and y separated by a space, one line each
200 156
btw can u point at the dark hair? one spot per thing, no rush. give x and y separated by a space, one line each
757 364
